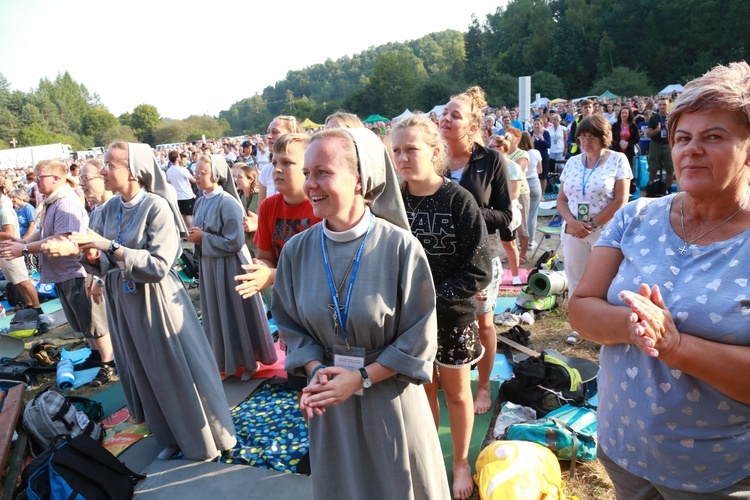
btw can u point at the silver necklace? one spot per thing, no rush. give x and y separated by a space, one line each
684 248
413 211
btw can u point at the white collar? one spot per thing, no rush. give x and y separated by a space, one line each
350 234
213 193
136 199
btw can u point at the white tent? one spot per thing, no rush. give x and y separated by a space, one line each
543 101
671 88
405 114
438 110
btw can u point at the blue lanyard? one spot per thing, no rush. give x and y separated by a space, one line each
585 178
120 233
208 208
343 315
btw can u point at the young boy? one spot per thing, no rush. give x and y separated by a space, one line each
280 216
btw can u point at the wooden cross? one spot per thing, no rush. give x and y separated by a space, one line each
14 142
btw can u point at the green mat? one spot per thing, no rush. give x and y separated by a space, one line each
481 426
112 398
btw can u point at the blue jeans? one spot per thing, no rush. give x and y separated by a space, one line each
535 196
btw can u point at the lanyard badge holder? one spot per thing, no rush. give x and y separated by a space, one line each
345 356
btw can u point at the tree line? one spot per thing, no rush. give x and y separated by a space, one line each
570 48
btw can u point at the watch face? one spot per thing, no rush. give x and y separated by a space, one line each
366 383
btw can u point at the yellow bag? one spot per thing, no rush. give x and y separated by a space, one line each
519 470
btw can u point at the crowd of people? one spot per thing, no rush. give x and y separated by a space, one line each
377 252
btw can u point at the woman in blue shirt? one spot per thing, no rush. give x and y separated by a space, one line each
24 210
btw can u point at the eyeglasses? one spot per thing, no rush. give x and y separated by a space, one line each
109 166
86 178
587 138
40 177
201 174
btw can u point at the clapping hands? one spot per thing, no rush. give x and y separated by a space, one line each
652 327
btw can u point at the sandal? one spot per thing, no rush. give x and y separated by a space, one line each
518 335
573 339
521 260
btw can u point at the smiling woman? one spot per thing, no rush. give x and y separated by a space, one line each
669 277
371 330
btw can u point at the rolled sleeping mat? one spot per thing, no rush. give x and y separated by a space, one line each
65 375
548 283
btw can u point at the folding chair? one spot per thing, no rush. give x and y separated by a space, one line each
552 228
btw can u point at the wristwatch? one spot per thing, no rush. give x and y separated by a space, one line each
99 281
25 250
113 246
366 381
593 223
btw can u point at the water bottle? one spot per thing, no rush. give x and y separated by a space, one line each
65 375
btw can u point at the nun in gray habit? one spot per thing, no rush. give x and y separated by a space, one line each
168 371
383 444
237 329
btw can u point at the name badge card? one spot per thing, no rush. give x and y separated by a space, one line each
352 359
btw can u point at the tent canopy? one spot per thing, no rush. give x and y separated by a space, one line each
577 99
402 115
375 118
559 100
672 88
438 110
608 95
309 124
543 101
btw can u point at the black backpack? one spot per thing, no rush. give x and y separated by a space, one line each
22 370
189 263
78 468
13 296
543 383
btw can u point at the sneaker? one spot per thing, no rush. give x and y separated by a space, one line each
507 319
532 245
105 375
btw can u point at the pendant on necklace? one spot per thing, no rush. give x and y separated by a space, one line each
683 250
335 318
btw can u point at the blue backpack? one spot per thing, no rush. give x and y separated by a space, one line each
78 469
569 431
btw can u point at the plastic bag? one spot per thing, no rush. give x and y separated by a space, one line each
510 414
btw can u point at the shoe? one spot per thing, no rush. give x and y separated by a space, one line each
573 339
507 319
168 452
105 375
532 245
46 320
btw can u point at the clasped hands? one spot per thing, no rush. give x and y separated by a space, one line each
580 229
652 328
330 386
75 243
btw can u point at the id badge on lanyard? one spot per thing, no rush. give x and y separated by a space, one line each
351 358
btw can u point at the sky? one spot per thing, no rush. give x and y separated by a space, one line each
199 57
